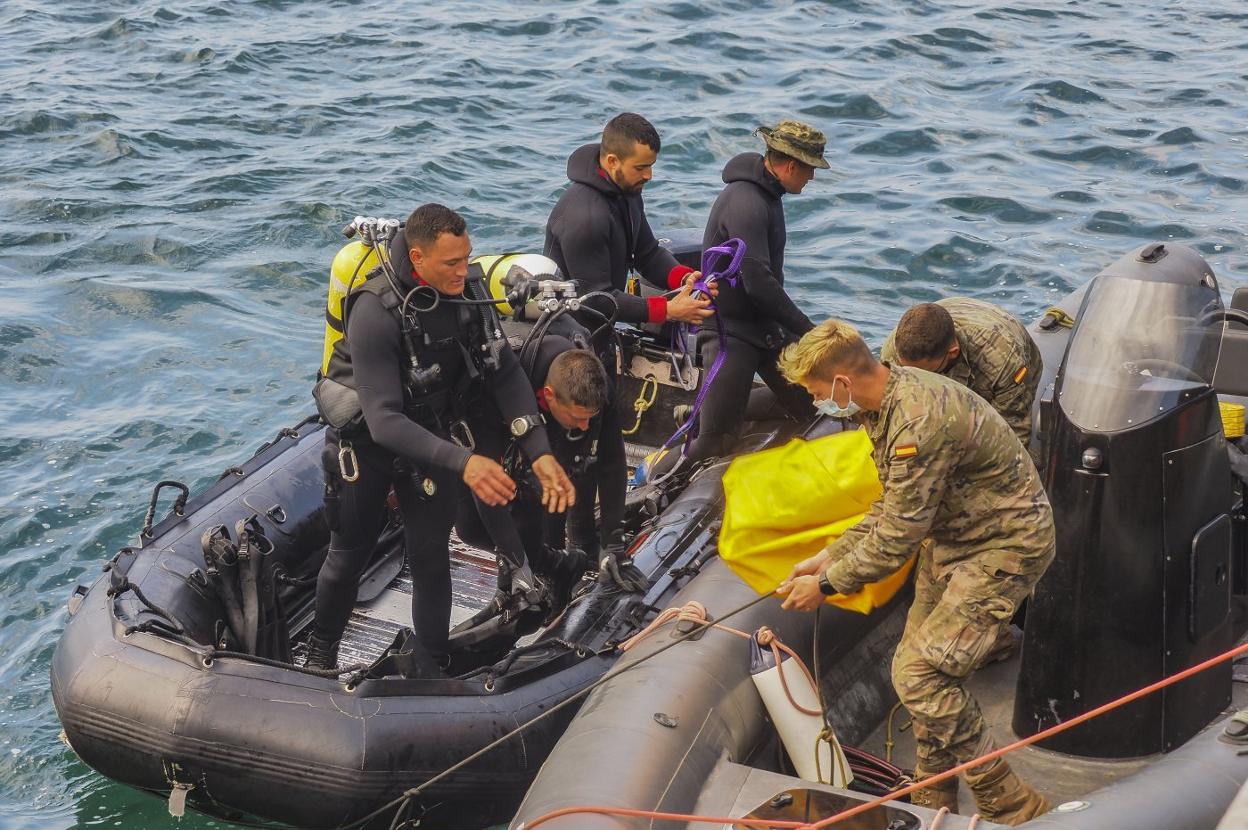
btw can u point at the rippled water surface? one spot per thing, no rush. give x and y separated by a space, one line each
173 176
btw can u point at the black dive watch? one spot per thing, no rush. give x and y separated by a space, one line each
826 588
523 425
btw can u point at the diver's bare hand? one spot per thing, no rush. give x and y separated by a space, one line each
558 493
485 477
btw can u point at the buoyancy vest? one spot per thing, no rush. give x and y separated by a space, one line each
454 337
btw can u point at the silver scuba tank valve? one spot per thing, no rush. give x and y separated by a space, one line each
553 295
371 229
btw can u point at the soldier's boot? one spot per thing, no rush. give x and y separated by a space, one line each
941 794
1001 796
322 654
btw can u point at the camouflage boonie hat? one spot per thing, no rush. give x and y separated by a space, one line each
793 138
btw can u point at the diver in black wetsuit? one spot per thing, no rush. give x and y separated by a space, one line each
425 370
759 317
573 393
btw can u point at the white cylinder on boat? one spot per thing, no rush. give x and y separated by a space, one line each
815 759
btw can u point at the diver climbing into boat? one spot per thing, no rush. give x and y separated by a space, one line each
420 358
755 312
959 489
978 344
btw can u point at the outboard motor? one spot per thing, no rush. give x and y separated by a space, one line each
1137 471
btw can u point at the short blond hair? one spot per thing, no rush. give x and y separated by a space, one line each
829 347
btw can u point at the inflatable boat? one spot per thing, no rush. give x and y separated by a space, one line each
156 687
1146 375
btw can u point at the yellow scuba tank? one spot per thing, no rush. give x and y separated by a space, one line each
351 265
502 270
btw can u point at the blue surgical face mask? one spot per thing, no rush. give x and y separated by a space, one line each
832 409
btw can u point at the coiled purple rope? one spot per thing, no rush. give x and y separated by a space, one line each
712 258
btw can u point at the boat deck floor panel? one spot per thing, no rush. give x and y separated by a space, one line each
1058 776
374 624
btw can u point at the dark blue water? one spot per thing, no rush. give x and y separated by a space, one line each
173 176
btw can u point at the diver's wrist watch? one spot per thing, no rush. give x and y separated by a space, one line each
826 588
523 425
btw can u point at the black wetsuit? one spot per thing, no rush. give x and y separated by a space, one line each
759 317
595 461
405 443
597 233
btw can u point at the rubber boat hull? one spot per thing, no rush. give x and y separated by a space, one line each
244 738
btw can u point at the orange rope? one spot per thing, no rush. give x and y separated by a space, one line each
938 818
628 812
695 612
870 805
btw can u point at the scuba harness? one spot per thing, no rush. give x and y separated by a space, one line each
428 398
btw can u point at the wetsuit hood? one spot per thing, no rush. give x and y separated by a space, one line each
749 167
583 169
401 261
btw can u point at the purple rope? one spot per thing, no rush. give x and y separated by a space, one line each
734 250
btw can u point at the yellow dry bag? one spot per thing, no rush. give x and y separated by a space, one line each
351 265
785 504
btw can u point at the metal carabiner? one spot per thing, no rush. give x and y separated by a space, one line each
348 464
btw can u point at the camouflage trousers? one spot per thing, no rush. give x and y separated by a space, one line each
952 626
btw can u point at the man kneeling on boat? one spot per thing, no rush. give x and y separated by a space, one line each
574 396
978 344
953 472
429 370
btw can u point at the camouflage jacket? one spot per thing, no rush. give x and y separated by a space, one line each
999 360
952 471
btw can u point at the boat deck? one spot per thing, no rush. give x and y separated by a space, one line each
377 621
1061 778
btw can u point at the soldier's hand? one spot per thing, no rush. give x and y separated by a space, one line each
693 277
685 308
485 477
810 567
801 594
558 492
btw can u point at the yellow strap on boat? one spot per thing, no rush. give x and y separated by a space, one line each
645 400
785 504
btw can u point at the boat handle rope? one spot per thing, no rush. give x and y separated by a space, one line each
179 505
911 788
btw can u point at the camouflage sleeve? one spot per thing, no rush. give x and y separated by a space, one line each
1014 389
888 352
922 458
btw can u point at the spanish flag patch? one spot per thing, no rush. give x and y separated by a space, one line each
1020 374
905 451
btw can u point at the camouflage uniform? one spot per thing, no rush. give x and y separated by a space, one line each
999 360
959 488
